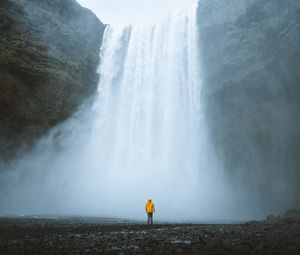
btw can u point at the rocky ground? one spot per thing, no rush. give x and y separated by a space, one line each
34 235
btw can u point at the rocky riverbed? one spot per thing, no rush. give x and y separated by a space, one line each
53 235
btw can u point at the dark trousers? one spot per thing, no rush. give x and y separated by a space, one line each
150 218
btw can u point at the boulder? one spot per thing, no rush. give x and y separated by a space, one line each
292 213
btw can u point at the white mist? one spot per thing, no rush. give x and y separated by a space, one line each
145 137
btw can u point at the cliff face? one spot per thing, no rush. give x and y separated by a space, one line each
49 54
251 59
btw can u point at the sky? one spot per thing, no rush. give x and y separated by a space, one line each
134 11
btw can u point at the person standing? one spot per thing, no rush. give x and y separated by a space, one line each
150 209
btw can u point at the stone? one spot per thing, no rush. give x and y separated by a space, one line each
250 63
48 67
292 213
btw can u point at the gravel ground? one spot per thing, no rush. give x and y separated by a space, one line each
32 235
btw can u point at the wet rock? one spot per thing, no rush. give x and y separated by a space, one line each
251 61
48 61
272 218
292 213
214 242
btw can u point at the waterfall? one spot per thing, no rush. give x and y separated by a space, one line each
145 136
149 122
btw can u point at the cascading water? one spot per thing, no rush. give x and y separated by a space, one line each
145 136
149 128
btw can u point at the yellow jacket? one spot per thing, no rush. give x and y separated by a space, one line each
150 208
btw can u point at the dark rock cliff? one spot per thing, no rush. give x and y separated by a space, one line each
251 59
49 54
